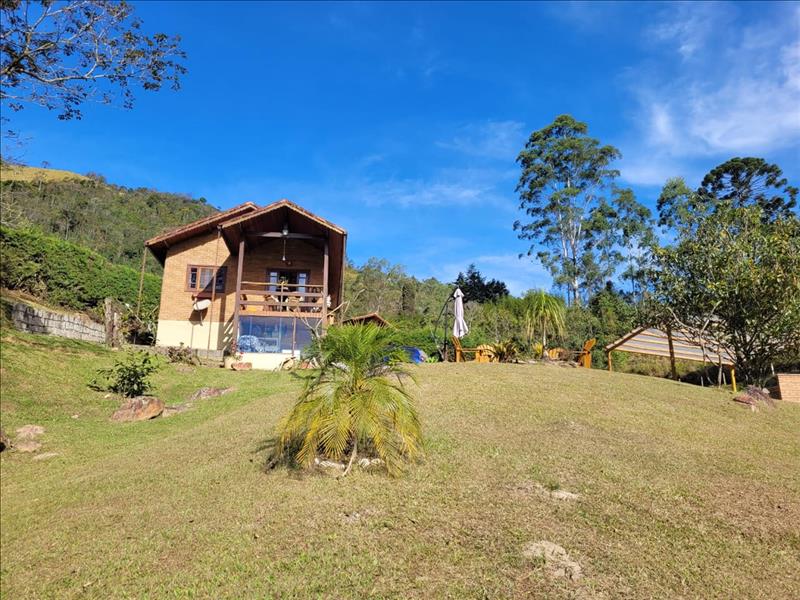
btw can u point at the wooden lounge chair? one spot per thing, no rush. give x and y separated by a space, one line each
461 351
584 357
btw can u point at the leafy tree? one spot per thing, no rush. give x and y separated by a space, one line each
492 321
375 287
676 203
61 54
356 404
574 229
734 276
738 182
477 289
606 316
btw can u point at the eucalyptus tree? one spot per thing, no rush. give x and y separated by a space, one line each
637 240
563 187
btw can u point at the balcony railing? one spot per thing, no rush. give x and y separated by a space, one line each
264 297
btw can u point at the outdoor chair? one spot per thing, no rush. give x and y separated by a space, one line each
461 351
249 308
293 304
584 357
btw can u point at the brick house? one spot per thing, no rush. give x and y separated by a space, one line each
263 276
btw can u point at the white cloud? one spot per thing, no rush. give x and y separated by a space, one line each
501 140
458 188
519 274
687 25
735 90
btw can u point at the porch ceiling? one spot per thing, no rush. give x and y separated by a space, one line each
273 218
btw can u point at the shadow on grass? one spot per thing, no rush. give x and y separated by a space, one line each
53 343
277 457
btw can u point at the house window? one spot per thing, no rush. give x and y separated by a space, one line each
276 335
198 279
298 280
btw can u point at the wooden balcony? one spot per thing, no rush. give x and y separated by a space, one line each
282 299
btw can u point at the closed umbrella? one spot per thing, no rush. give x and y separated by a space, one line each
460 328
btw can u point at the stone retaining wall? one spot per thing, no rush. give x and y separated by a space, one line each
40 320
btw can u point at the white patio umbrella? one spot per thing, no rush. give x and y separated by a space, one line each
460 328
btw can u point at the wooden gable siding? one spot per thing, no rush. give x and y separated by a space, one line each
205 250
268 254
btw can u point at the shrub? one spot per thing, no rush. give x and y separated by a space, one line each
69 275
130 375
505 351
181 354
356 404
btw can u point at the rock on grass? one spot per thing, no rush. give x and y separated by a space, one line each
140 408
209 392
29 432
557 561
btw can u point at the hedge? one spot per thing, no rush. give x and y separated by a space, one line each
69 275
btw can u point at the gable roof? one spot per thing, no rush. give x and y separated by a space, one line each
275 215
159 244
372 317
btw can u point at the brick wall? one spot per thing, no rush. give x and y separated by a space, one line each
203 250
207 250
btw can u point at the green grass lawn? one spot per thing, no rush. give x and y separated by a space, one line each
682 492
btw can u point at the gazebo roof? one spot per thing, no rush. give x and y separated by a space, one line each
372 317
655 342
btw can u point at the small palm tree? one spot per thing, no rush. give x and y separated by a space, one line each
545 313
357 403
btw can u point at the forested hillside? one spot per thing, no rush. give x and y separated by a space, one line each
110 219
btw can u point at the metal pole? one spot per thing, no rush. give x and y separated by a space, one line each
213 293
141 282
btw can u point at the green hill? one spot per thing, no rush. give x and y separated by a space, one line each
681 493
110 219
36 174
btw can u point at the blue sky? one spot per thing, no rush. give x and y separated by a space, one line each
402 122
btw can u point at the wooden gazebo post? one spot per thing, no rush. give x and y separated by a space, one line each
671 354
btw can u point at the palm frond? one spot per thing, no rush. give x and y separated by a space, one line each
358 400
